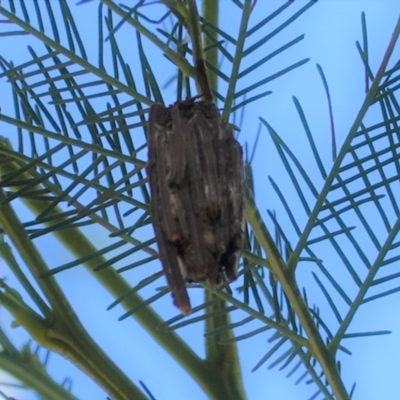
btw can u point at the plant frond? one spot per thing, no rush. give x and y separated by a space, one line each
82 140
360 184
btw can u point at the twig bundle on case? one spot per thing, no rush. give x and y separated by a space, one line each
195 172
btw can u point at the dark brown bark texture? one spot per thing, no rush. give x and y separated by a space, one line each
196 179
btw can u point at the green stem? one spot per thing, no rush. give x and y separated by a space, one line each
8 257
286 278
237 59
202 81
80 246
284 331
211 14
62 333
33 375
178 8
223 358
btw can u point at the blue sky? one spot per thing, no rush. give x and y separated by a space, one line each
331 28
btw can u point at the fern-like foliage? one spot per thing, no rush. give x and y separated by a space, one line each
76 153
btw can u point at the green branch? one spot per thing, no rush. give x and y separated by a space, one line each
61 332
80 246
237 59
287 279
203 84
211 14
28 370
224 358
